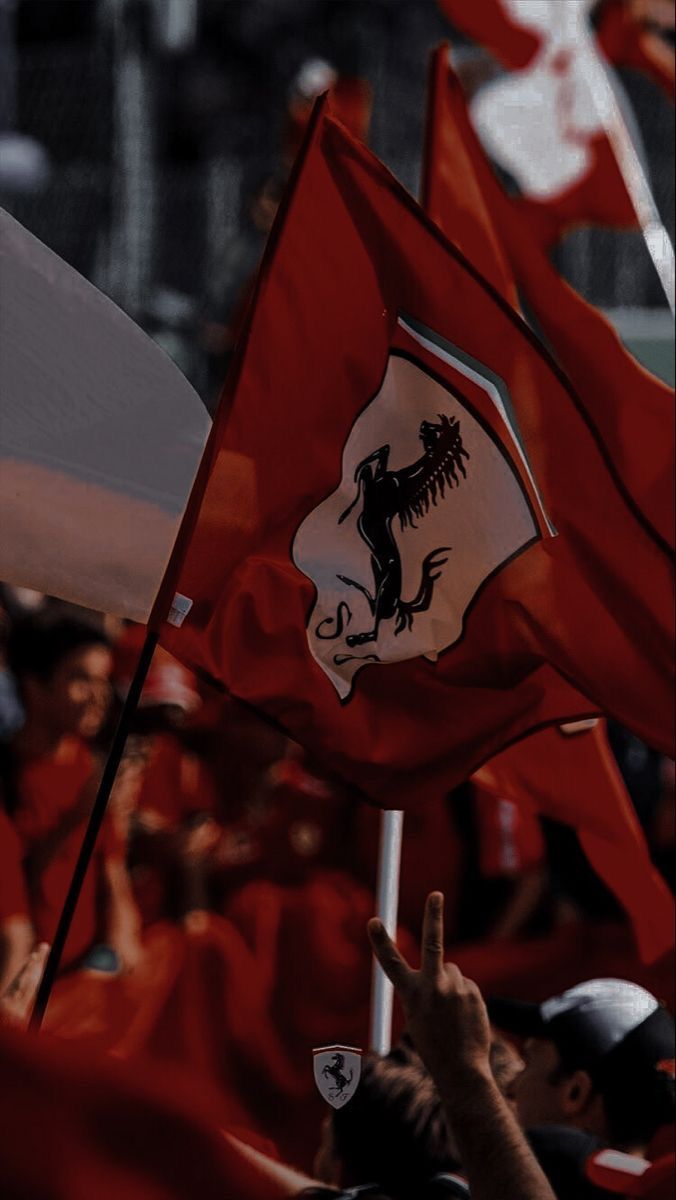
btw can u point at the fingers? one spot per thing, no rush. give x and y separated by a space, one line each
432 949
18 1000
393 963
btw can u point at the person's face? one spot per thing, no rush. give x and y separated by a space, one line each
539 1101
74 700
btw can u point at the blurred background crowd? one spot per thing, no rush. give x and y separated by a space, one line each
147 142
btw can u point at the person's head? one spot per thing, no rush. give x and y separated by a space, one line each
62 667
599 1057
392 1132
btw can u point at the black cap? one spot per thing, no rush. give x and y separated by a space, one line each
615 1030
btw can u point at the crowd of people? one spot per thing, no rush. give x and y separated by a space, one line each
221 927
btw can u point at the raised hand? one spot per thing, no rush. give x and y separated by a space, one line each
448 1022
16 1003
445 1012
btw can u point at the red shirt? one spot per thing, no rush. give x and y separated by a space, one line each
55 794
510 836
13 898
176 784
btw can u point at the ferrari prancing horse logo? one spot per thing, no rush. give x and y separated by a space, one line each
337 1071
428 507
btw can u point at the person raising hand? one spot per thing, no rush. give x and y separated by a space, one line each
450 1028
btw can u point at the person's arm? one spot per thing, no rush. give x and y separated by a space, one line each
281 1179
17 1000
123 921
448 1022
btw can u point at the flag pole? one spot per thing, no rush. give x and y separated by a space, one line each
387 905
93 826
652 227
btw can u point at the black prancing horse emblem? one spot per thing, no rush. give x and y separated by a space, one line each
406 494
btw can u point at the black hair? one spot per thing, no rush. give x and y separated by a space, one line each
393 1130
38 644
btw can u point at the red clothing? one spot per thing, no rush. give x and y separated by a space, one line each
177 784
13 898
510 836
55 793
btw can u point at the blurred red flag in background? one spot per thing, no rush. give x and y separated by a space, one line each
109 1130
625 36
631 410
569 774
545 122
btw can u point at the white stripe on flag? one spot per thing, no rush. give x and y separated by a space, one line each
100 437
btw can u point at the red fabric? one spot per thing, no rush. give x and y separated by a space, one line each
536 968
600 197
51 789
574 778
631 412
241 1001
627 43
350 252
490 24
350 100
13 898
167 682
176 784
510 837
74 1126
439 181
657 1182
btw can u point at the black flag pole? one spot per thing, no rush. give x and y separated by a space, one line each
92 831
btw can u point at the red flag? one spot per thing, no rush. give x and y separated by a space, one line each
627 41
445 159
570 775
544 122
573 779
107 1130
495 24
401 602
632 412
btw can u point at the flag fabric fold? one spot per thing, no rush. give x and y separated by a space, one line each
545 121
628 41
100 438
402 606
569 774
568 778
632 411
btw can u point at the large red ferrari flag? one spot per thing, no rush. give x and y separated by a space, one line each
401 597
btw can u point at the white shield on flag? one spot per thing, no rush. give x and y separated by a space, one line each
337 1071
427 503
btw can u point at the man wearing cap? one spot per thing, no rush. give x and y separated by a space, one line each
599 1058
598 1069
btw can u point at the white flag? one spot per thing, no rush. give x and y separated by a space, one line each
100 438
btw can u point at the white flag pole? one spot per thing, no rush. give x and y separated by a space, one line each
387 905
608 109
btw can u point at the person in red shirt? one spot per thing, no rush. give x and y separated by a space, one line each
49 778
16 928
